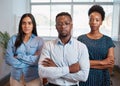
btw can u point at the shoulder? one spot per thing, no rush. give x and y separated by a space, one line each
79 43
13 37
109 41
81 37
49 44
80 46
107 38
39 38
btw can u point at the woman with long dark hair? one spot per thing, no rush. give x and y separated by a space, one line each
23 52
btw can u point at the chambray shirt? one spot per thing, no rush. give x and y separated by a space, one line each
64 56
26 63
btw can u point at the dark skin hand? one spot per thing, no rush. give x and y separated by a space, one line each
50 63
74 67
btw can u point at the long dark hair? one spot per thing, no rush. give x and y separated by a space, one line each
21 34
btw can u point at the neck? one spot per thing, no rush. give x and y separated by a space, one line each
94 35
65 40
27 37
96 32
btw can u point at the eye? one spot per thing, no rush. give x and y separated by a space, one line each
29 23
23 23
59 24
65 23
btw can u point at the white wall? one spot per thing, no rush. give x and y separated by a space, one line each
10 11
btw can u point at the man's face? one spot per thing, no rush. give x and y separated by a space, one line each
64 26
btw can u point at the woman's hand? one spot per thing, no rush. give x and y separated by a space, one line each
108 61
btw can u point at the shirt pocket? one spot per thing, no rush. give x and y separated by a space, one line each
33 49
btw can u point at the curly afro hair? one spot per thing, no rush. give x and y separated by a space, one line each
97 8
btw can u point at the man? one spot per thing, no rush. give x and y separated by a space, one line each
64 61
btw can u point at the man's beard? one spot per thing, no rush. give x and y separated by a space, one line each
63 35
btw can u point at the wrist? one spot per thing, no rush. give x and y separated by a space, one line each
101 63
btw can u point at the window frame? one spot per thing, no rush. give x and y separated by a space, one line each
68 3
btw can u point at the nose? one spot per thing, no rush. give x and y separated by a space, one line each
26 25
93 22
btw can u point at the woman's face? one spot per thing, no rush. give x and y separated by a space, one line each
27 25
95 21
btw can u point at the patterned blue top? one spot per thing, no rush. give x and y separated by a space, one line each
98 49
26 62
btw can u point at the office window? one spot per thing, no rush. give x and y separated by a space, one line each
45 12
61 0
83 0
104 0
93 0
32 1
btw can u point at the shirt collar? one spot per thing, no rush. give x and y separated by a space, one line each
58 41
32 36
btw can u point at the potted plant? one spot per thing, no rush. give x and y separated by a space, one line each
4 38
4 75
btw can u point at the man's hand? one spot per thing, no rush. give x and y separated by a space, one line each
48 63
74 67
37 53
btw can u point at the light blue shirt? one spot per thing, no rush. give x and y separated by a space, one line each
26 62
64 56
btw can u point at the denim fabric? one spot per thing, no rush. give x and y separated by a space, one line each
26 62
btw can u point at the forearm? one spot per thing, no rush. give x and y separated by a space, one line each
78 73
95 63
52 72
82 75
10 60
28 59
101 64
103 67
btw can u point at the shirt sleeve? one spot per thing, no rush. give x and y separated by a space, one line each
82 75
110 42
9 56
32 59
28 59
50 72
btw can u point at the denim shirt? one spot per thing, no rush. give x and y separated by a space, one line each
26 63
